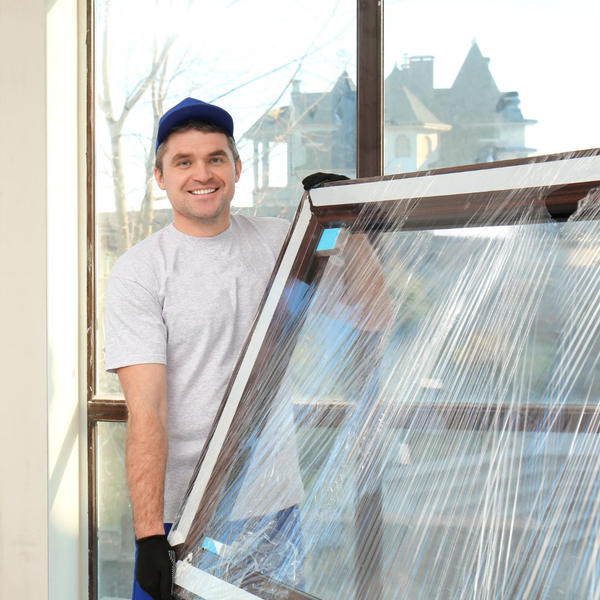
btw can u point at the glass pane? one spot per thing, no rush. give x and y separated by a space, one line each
287 79
116 547
475 81
425 424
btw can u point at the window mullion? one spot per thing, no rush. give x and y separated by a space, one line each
370 89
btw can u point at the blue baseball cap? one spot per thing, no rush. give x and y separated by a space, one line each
192 109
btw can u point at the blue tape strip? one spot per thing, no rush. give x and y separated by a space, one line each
329 239
210 545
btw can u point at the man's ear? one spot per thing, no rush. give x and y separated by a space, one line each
238 170
159 178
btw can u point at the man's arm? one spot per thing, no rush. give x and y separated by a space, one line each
366 287
145 389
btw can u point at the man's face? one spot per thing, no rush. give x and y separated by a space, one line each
199 175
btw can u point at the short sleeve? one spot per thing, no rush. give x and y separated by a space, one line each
282 232
135 331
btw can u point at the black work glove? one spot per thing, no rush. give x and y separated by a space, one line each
316 179
155 569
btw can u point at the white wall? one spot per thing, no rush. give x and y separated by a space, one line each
41 545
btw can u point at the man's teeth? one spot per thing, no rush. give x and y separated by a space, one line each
202 192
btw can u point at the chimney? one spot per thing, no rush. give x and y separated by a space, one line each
420 70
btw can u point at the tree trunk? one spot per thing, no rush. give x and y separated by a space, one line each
123 236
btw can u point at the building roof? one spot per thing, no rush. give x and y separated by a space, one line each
271 124
474 97
308 110
411 100
406 109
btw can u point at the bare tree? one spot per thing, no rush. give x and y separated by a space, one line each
115 120
143 226
166 67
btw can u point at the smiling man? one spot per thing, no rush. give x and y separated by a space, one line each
198 168
178 308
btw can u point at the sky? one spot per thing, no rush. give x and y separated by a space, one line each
244 55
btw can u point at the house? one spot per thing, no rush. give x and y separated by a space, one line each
425 127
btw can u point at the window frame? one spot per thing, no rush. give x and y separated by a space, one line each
370 136
558 183
100 407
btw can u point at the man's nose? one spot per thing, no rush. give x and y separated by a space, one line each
202 171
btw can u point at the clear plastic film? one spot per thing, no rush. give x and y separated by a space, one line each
422 419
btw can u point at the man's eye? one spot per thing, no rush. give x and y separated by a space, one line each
183 163
216 159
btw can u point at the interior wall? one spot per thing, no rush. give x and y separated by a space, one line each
40 541
64 426
23 428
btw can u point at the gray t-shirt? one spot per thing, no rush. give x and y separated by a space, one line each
189 303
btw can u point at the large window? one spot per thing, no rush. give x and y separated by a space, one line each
289 81
305 84
416 414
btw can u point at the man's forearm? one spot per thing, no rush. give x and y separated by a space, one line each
366 286
146 461
145 389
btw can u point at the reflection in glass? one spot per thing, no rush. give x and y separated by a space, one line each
116 548
428 415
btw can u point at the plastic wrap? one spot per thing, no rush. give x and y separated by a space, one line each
421 416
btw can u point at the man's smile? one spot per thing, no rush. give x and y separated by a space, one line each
202 192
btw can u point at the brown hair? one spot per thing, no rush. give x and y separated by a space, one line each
205 127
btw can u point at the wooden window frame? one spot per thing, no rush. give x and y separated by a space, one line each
455 197
369 164
370 102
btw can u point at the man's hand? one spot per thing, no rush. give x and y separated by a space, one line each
156 566
317 179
